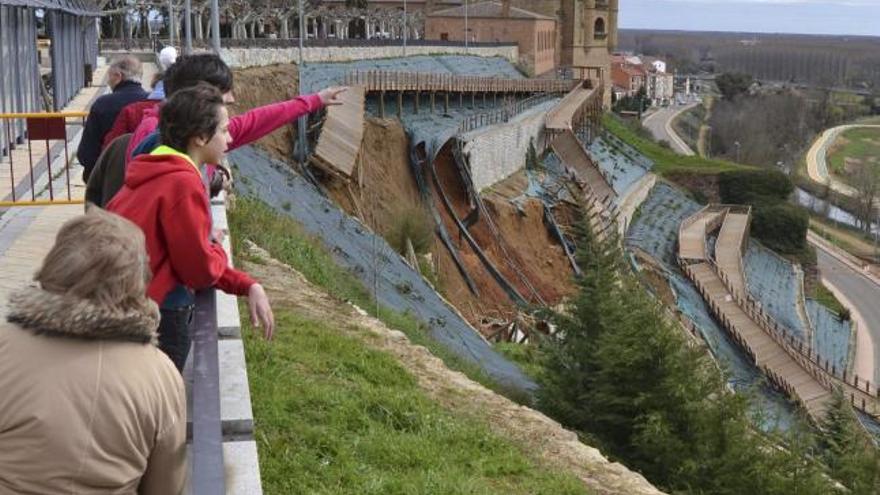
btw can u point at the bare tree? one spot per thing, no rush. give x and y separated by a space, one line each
867 184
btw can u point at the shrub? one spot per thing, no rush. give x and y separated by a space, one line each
781 226
778 224
413 225
751 186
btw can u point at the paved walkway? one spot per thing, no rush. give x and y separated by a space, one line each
660 125
817 167
562 117
27 233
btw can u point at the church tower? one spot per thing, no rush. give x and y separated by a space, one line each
588 36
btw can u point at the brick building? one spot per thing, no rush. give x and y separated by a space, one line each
628 78
587 35
535 34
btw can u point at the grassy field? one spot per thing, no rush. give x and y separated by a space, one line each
665 160
285 240
333 416
852 240
854 147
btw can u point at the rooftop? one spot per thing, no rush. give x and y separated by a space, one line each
489 10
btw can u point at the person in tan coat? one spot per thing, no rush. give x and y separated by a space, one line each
88 403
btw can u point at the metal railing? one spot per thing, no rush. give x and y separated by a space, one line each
150 43
379 80
208 468
502 114
25 187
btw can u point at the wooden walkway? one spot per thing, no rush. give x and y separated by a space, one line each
692 234
379 80
563 116
788 362
342 134
569 150
769 357
730 247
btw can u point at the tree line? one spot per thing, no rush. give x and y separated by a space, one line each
825 61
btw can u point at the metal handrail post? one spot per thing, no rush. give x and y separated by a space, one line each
215 26
187 26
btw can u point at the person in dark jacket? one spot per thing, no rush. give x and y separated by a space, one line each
107 177
124 79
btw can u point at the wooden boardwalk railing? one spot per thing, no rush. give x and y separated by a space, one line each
786 360
379 80
565 115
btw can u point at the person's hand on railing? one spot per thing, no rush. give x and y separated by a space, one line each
330 96
261 311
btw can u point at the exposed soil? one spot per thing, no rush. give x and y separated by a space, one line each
257 86
383 189
539 436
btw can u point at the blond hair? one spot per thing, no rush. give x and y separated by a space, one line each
100 257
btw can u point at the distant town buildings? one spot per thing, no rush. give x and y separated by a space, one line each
631 73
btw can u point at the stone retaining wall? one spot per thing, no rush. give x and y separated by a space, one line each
252 57
497 152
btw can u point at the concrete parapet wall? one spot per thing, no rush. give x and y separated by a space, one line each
253 57
497 152
240 458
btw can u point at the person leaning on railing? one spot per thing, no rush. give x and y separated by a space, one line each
142 119
88 404
165 196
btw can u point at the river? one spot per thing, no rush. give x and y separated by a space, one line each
832 212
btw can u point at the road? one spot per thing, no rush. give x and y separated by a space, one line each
817 168
861 296
660 125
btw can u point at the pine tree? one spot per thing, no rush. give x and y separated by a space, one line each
848 450
621 374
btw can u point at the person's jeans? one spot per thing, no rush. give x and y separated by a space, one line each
174 333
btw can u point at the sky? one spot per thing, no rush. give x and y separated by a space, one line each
856 17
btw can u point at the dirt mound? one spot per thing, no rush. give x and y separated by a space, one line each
538 435
257 86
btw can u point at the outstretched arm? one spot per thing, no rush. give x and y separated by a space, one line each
254 124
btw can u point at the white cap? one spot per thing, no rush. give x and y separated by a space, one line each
167 57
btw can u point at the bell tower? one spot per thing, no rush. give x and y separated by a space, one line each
589 35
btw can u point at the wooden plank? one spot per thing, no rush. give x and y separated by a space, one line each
343 133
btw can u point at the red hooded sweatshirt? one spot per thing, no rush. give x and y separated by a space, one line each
164 195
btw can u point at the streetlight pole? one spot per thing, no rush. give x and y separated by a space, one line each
187 27
302 122
466 30
215 26
302 28
404 28
171 22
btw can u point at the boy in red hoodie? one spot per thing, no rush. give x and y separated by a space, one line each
165 196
